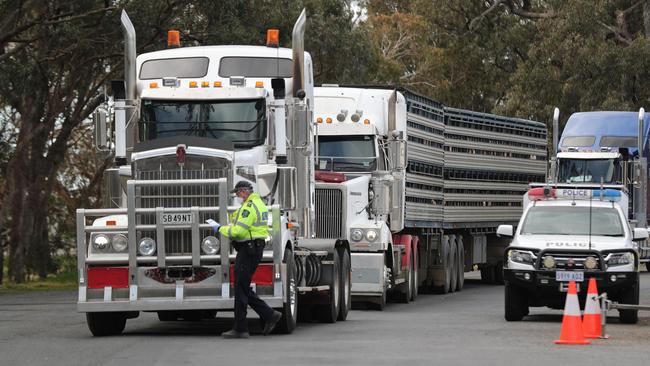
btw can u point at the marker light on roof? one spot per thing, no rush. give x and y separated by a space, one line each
153 85
193 84
217 84
607 194
205 84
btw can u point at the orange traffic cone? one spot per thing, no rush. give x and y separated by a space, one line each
591 322
571 332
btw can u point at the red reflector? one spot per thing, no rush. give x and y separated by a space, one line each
263 275
330 177
111 223
100 277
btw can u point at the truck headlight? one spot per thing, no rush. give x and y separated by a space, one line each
147 246
619 259
356 235
521 256
101 242
371 235
210 245
119 242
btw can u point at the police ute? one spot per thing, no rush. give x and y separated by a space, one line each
571 234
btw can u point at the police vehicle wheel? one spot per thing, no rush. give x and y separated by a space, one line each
516 306
346 285
454 266
630 296
289 311
328 313
461 264
106 324
414 274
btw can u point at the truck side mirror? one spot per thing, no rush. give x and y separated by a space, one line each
101 129
505 230
640 234
398 152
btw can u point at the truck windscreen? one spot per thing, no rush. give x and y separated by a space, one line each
242 122
588 171
572 221
346 154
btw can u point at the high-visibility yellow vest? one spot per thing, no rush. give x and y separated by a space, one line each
250 221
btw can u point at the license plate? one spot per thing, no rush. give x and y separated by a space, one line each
176 218
566 276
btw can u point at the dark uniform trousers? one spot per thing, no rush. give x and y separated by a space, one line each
248 257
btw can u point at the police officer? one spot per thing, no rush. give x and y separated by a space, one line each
247 231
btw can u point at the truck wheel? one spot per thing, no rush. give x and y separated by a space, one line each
405 288
414 274
453 266
445 258
498 273
106 324
630 296
328 313
516 304
346 285
461 264
289 311
487 274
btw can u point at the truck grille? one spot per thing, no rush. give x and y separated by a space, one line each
178 242
329 213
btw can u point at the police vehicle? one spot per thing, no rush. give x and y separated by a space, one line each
571 234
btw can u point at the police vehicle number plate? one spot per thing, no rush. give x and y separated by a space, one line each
565 276
176 218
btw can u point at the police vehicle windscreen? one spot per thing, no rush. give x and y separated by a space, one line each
346 153
588 171
572 221
242 122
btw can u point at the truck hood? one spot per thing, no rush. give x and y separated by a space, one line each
571 242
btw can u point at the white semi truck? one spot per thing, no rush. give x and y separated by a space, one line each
418 189
189 122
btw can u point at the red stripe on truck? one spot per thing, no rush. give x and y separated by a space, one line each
263 275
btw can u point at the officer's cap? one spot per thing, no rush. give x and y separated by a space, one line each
242 184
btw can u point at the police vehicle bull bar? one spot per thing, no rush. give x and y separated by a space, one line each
124 285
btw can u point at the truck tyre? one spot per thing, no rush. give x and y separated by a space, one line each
289 310
405 291
630 296
106 324
346 285
516 304
445 258
461 264
453 264
488 274
329 312
414 274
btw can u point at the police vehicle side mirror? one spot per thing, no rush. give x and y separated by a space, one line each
640 234
505 230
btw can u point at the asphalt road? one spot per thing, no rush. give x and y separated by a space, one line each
456 329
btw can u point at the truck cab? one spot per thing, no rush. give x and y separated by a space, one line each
571 234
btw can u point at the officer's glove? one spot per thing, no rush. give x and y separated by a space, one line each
215 225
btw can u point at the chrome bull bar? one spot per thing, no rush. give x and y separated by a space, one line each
222 298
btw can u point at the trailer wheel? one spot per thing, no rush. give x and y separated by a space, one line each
453 265
516 304
346 285
106 324
488 274
445 259
498 273
630 296
461 264
289 311
328 313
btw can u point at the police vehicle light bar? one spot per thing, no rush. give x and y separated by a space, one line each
545 193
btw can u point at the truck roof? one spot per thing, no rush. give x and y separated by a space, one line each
603 129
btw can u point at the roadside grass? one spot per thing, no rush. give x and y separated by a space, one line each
65 278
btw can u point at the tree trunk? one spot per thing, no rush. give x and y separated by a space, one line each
646 17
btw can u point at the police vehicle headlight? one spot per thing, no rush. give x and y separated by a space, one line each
119 242
101 242
548 261
356 235
591 263
371 235
619 259
521 256
210 245
147 246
